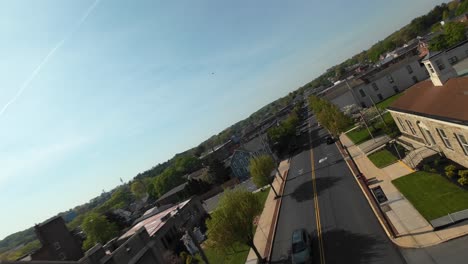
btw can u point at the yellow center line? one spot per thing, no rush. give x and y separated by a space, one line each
317 210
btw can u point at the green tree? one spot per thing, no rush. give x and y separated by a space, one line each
199 150
138 189
98 230
329 115
121 198
260 170
445 15
232 221
217 171
455 33
462 8
187 164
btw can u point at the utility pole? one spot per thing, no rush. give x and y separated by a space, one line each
378 111
267 147
365 123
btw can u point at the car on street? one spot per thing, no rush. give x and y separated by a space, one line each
330 140
301 248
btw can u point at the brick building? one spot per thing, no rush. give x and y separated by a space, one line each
58 243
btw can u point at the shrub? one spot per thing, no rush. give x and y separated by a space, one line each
463 173
426 167
436 162
450 171
463 177
463 181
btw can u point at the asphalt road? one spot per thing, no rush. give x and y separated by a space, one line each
451 252
349 230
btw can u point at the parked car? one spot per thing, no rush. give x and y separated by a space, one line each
301 248
330 140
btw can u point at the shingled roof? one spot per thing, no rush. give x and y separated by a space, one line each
447 103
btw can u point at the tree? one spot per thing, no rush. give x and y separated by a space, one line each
138 189
121 198
329 115
199 150
260 170
232 221
98 230
455 33
187 164
217 171
196 187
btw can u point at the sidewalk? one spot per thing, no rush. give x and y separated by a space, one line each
264 235
412 229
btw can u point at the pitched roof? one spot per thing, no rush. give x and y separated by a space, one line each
172 191
448 102
155 222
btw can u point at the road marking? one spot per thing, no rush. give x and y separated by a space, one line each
323 159
317 210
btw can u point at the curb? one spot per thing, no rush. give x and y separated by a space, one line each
384 227
277 210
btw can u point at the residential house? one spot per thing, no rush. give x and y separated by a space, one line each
57 242
148 241
239 164
433 114
172 196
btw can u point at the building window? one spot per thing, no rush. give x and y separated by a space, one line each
402 125
362 93
410 125
375 87
395 88
463 143
380 97
409 69
444 138
440 65
453 60
57 245
415 79
430 67
390 79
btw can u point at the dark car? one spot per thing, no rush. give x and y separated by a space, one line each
301 248
330 140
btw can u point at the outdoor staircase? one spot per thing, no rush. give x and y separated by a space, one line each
416 156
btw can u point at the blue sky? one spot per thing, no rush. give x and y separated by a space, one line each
91 92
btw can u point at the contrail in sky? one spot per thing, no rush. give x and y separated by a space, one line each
51 53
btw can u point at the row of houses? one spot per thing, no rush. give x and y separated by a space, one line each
157 233
389 77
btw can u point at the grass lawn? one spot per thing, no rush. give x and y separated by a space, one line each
237 255
385 103
431 194
361 135
382 158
